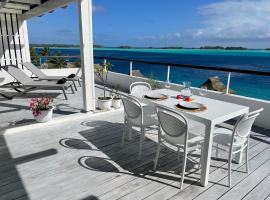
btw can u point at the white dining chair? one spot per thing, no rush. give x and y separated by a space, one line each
135 116
137 88
237 139
173 130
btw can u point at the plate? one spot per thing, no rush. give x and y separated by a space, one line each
190 105
155 95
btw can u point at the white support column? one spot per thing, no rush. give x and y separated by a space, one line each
26 42
87 59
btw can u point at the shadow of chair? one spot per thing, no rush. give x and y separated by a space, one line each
106 137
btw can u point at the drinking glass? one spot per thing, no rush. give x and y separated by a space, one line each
203 92
186 91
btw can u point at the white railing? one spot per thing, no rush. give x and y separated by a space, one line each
168 65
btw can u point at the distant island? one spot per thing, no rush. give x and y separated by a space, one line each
223 48
125 47
62 45
172 47
132 47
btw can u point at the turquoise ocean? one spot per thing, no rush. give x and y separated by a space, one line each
247 85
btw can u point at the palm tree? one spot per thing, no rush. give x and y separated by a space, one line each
34 56
58 61
45 51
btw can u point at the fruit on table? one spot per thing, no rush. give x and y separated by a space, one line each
188 99
179 97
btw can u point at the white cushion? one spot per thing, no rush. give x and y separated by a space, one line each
148 120
224 136
179 141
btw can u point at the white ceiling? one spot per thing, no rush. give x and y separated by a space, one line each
31 8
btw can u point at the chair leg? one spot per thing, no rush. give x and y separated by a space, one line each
71 87
157 156
129 126
247 166
200 161
124 134
79 83
230 170
64 92
217 151
75 87
141 142
183 169
178 153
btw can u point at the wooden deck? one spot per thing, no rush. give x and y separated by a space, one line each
83 160
16 112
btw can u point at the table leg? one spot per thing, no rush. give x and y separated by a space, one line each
206 153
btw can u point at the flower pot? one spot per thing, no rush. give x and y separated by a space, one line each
45 115
104 103
116 102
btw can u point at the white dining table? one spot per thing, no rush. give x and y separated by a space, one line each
217 112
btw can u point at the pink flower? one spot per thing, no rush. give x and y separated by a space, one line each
39 104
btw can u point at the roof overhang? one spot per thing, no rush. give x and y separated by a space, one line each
31 8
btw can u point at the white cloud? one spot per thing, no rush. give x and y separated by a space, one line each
160 37
236 20
98 8
227 22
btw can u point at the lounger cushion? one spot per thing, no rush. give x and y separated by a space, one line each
71 76
61 81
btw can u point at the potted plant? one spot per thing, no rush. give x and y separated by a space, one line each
42 109
116 100
101 71
153 82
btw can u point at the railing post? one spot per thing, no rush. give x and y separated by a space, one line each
168 73
130 68
40 61
228 83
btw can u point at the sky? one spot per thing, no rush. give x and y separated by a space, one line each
160 23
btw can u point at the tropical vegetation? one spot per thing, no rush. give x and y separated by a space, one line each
58 61
34 56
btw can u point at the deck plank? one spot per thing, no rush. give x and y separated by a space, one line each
260 191
220 188
191 189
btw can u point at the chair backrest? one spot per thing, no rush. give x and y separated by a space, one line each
173 124
244 125
17 73
139 87
32 68
132 107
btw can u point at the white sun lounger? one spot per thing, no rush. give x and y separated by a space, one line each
42 76
28 84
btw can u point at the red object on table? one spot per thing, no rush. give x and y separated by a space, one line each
179 97
188 99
